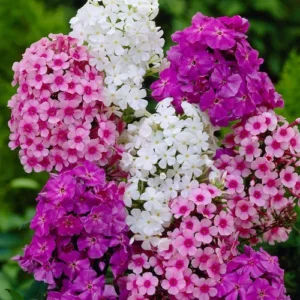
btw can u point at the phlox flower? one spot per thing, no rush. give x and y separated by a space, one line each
257 195
174 282
59 108
205 289
224 223
186 243
244 209
234 184
250 149
289 177
181 207
138 263
206 232
147 284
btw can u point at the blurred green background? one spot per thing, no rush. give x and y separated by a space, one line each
274 31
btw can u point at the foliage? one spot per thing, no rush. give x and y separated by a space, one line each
274 32
288 85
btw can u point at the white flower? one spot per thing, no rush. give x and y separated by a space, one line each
124 29
135 99
154 199
132 219
131 193
164 163
146 159
148 224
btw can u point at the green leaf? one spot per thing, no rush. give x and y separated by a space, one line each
24 183
15 295
37 291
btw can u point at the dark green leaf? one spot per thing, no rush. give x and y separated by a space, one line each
15 295
37 291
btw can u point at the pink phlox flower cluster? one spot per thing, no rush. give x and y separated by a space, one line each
79 233
252 275
260 165
191 257
58 116
214 65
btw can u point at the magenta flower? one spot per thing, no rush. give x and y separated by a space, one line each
261 290
80 234
87 283
74 263
213 65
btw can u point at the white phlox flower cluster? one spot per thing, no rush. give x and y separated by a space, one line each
166 155
125 44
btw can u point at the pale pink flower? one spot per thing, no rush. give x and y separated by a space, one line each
206 232
30 162
240 134
278 201
182 207
190 223
147 284
93 150
288 177
250 149
201 258
271 120
58 81
107 132
59 61
174 281
88 90
69 112
257 195
239 166
48 111
190 280
244 209
284 133
78 138
40 147
36 80
207 211
295 143
186 244
274 147
138 263
178 261
28 129
224 223
204 289
276 234
157 265
234 184
262 166
215 268
200 196
256 125
30 111
271 183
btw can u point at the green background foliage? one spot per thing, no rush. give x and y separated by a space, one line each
274 32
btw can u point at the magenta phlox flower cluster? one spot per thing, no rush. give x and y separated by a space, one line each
58 115
252 275
262 183
191 257
80 235
214 65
